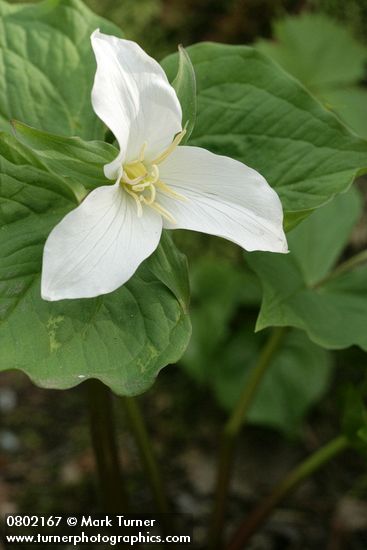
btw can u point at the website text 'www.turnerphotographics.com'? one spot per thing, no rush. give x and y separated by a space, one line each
130 530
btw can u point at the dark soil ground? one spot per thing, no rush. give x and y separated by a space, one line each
47 464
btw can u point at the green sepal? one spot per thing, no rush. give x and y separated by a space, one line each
69 157
185 87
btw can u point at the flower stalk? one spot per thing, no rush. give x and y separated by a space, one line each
112 492
231 431
355 261
304 470
148 459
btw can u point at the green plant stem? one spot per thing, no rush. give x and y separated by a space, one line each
102 427
230 433
348 265
304 470
139 430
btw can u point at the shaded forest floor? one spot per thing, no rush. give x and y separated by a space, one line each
47 463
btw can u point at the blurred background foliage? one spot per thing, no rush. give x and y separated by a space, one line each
159 25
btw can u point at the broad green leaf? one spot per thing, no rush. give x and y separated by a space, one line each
340 66
251 110
185 86
47 66
317 50
332 310
123 338
69 157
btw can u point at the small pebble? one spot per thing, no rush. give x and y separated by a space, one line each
8 400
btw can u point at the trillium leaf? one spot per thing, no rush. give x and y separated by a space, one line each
69 157
340 66
316 245
251 110
185 87
48 66
300 40
332 310
350 104
123 338
299 374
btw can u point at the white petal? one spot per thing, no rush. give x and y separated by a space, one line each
225 198
98 246
133 97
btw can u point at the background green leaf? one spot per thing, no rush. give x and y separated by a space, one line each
47 66
350 104
296 292
318 51
327 59
317 244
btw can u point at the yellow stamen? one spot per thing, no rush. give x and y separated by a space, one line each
136 199
153 194
170 148
155 173
168 191
163 212
151 199
142 152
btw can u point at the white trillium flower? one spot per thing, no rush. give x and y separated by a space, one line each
98 246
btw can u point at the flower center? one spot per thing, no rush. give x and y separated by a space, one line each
141 181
